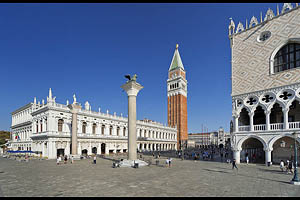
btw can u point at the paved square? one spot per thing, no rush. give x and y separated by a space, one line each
184 178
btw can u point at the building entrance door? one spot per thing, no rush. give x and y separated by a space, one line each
60 152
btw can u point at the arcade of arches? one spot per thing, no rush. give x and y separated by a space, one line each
282 149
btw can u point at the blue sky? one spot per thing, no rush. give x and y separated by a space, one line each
87 49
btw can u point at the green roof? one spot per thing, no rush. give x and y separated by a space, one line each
176 61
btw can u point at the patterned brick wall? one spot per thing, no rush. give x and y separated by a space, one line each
251 59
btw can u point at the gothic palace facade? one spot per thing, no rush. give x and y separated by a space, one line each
266 85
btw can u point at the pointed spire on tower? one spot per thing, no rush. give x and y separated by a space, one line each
261 17
176 60
34 100
277 10
246 23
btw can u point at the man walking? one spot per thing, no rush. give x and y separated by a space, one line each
234 164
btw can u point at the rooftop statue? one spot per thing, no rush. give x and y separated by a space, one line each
74 99
133 78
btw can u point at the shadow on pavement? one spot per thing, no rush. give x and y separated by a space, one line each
217 171
273 171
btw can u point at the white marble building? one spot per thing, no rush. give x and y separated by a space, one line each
266 84
46 127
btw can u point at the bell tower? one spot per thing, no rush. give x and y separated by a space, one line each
177 98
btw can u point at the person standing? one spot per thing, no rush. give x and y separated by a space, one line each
234 164
167 162
66 159
221 154
95 157
170 162
247 159
72 160
57 160
281 165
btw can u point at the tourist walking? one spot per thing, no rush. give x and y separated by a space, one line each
281 165
287 166
72 160
290 167
247 159
234 164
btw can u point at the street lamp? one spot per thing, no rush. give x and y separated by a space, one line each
295 180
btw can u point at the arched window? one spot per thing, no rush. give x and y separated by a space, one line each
110 130
124 131
41 122
84 127
118 131
102 129
94 128
288 57
60 125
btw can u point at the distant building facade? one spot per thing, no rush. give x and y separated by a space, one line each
46 128
215 138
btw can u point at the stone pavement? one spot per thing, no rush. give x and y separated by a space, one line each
184 178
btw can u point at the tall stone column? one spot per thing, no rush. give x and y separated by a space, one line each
75 107
267 113
132 88
236 155
236 123
251 115
286 118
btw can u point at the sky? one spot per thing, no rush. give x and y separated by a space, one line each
86 49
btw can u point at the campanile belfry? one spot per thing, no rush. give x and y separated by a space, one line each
177 98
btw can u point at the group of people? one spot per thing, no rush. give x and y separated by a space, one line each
168 162
247 157
65 158
288 167
59 159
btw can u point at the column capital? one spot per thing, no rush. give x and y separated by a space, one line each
132 88
268 149
74 107
285 110
267 112
251 114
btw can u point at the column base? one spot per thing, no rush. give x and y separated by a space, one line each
130 163
295 182
75 157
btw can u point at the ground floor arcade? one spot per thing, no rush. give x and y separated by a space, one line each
53 147
264 147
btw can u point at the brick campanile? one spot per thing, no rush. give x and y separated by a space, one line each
177 98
